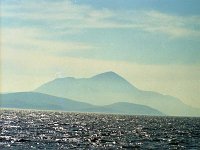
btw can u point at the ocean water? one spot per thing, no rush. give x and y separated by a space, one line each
20 129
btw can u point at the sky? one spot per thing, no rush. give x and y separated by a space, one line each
153 44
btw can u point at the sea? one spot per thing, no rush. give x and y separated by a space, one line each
28 129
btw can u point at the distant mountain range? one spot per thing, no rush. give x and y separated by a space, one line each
105 92
109 87
32 100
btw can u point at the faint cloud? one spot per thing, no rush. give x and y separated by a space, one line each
175 26
30 39
65 15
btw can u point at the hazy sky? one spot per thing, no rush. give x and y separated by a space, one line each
154 44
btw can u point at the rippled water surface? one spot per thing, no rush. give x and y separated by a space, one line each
59 130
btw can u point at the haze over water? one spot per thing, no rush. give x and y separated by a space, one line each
153 44
146 51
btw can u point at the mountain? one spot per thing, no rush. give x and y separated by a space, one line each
32 100
125 108
107 88
39 101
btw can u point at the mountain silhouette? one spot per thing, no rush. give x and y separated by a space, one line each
102 89
109 87
33 100
39 101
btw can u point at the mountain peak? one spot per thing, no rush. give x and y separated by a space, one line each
107 75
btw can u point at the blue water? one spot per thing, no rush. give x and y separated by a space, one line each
20 129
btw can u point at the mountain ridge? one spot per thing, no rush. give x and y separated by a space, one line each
39 101
109 87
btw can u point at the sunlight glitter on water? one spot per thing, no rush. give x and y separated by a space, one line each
59 130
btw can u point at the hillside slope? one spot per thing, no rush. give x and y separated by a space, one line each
107 88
